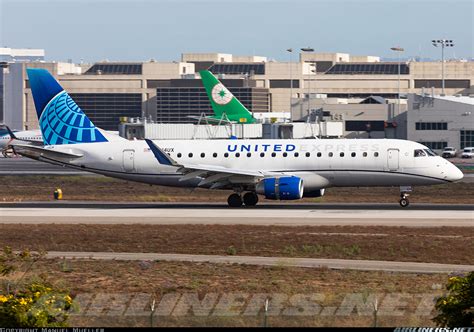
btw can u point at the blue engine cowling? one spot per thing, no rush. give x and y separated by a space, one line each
284 188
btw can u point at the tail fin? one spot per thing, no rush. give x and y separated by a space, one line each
223 101
61 120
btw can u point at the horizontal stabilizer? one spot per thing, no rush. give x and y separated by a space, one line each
37 151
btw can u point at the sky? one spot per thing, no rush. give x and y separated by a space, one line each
139 30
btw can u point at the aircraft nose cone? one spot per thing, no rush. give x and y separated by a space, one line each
454 173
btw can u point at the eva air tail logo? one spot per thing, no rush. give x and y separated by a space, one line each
221 95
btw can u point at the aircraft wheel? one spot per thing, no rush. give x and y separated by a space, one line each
250 199
234 200
404 202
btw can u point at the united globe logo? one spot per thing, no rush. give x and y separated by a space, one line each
221 95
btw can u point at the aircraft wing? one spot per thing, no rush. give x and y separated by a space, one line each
34 151
218 176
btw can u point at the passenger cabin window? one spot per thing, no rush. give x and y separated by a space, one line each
364 154
203 155
226 155
274 154
237 155
249 154
319 154
285 154
341 154
179 155
296 154
420 153
262 154
376 154
353 154
214 155
308 154
330 154
190 155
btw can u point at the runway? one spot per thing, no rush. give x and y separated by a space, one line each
423 215
23 166
338 264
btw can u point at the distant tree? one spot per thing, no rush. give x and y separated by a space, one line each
456 308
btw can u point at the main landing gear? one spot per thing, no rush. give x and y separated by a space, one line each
404 193
236 200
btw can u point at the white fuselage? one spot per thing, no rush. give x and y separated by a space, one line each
320 163
28 135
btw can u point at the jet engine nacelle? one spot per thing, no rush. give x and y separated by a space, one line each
284 188
314 193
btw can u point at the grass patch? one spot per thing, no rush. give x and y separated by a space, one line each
448 245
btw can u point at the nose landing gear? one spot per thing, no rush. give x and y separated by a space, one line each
404 193
236 200
404 202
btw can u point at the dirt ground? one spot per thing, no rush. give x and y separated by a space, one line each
120 280
346 242
41 188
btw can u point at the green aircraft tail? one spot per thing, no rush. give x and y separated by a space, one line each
223 101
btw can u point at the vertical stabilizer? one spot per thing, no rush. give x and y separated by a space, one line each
61 120
223 101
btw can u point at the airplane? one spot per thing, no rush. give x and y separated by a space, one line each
227 109
7 135
278 169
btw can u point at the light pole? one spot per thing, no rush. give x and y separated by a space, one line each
443 43
290 50
308 49
311 65
399 50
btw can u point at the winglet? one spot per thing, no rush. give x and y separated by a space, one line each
161 156
10 132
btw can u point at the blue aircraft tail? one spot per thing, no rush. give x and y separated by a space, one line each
61 120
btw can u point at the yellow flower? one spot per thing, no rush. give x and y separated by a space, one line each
68 299
23 301
3 299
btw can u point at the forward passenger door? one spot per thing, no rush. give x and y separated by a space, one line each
393 159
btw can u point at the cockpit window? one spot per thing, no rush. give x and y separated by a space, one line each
430 153
420 153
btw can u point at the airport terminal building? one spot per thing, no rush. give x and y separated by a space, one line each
441 121
362 91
